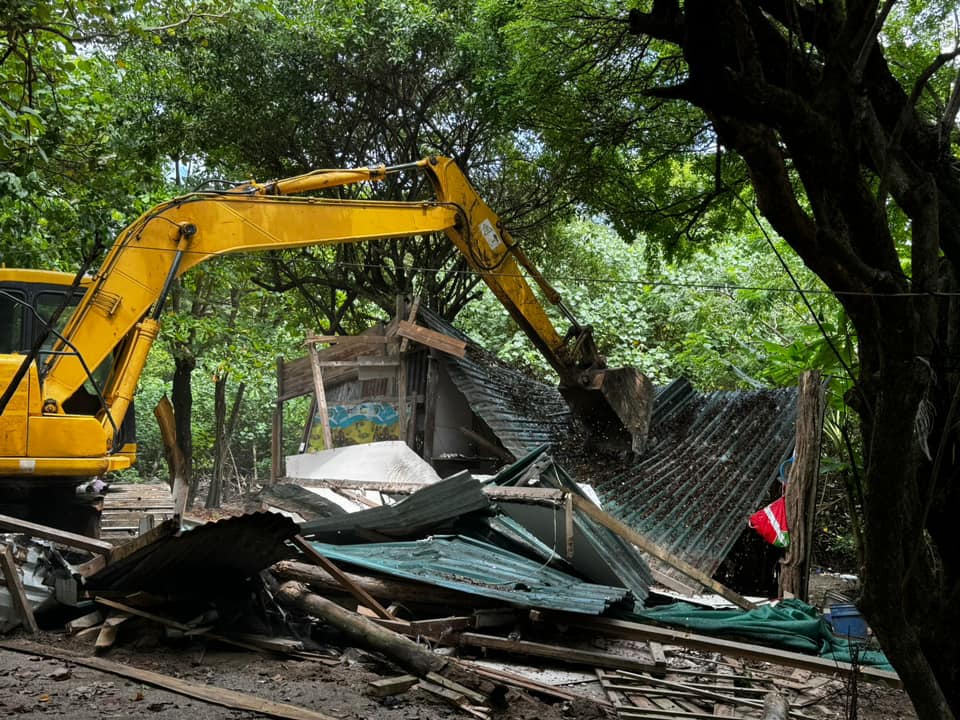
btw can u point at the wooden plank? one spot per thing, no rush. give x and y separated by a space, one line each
18 596
360 362
650 547
207 693
411 318
432 339
640 631
164 529
321 396
549 496
473 695
349 339
391 686
568 523
357 591
58 536
659 658
84 622
508 678
590 658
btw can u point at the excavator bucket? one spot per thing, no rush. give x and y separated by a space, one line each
615 408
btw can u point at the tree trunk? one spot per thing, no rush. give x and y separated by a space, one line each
182 398
223 431
801 491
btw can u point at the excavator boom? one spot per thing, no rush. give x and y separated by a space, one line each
117 319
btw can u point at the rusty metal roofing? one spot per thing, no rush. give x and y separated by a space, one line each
478 568
423 511
208 558
522 412
710 463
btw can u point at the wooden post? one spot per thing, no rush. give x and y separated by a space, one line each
400 349
276 436
801 490
430 406
321 394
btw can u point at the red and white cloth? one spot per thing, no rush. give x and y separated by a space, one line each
771 523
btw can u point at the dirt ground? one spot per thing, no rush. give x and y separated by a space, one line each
35 687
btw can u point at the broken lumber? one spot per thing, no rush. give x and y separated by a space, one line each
432 339
406 592
669 636
101 547
391 686
18 596
590 658
362 596
206 693
411 657
651 548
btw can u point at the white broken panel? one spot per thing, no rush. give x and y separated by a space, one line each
391 461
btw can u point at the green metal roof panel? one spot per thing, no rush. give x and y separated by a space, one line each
475 567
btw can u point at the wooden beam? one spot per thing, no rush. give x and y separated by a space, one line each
432 339
18 596
651 548
391 686
321 396
207 693
62 537
357 591
405 652
411 318
669 636
550 496
589 658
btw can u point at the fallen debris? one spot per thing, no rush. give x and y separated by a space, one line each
406 653
218 696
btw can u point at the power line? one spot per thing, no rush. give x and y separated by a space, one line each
715 286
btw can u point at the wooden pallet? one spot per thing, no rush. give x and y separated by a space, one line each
127 507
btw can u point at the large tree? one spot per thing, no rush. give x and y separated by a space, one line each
842 118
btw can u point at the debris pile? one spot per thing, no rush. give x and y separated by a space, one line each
481 593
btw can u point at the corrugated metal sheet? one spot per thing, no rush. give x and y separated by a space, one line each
710 463
208 558
622 560
478 568
522 412
423 511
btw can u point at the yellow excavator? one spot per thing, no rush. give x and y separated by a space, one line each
65 389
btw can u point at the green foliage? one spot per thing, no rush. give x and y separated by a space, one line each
725 318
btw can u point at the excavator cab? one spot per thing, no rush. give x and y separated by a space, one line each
28 298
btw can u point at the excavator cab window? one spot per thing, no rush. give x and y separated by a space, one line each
11 319
19 326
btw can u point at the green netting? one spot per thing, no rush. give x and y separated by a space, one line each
790 624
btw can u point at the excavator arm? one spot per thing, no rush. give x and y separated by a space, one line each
118 316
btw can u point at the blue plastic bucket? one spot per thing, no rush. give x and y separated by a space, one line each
847 621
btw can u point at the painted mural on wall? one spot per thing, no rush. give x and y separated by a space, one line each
364 422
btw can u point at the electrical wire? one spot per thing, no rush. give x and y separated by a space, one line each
598 280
